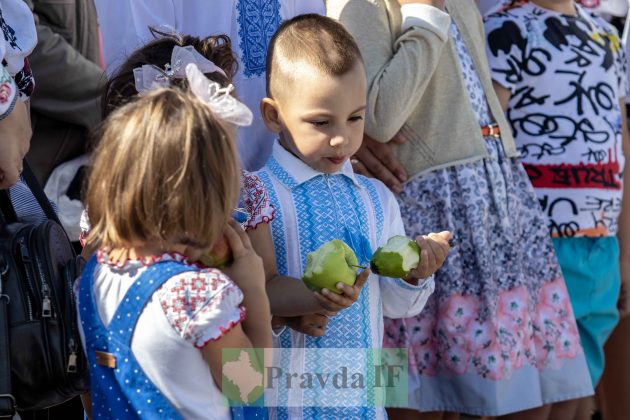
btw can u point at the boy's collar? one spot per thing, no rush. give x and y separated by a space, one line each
300 171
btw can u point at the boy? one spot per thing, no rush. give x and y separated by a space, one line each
316 101
559 72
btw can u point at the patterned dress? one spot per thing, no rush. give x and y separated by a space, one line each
498 335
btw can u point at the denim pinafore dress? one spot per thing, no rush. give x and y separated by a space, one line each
120 388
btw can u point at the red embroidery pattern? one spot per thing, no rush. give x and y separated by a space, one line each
256 201
5 92
201 306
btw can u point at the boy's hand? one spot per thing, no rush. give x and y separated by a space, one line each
313 324
434 250
334 302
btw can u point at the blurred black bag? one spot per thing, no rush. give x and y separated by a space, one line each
41 359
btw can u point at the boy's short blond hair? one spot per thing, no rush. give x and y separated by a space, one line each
313 40
165 173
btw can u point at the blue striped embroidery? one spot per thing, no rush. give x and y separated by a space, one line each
277 224
258 20
379 216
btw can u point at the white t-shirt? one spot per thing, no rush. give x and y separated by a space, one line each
567 75
249 24
184 314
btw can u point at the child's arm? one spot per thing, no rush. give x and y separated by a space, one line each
398 72
403 298
248 273
288 296
255 331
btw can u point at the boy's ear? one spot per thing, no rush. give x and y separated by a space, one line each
270 114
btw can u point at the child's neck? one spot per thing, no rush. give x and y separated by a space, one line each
566 7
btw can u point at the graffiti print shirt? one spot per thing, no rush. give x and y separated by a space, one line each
566 75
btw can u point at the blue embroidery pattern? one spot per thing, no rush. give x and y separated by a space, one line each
277 225
258 20
379 216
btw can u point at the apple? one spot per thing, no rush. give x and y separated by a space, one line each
331 263
219 256
397 258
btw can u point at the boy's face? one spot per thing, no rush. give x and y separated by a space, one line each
320 118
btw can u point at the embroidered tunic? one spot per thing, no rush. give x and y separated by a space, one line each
311 209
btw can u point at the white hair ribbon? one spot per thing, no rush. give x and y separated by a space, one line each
223 105
149 77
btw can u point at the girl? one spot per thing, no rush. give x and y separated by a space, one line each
166 319
498 336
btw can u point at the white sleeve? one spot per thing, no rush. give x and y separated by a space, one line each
400 299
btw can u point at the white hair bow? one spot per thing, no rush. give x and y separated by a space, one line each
220 101
187 63
149 77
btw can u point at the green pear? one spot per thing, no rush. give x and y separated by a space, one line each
331 263
397 258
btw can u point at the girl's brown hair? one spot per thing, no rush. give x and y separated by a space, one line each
121 86
165 173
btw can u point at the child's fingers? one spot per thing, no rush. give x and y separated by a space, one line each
437 249
316 323
234 241
353 291
442 239
328 303
247 243
362 278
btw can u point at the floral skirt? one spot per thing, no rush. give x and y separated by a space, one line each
498 335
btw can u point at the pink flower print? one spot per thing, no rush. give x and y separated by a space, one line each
546 334
394 334
420 328
548 319
424 358
5 92
555 295
568 344
490 362
457 359
513 304
479 335
457 313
